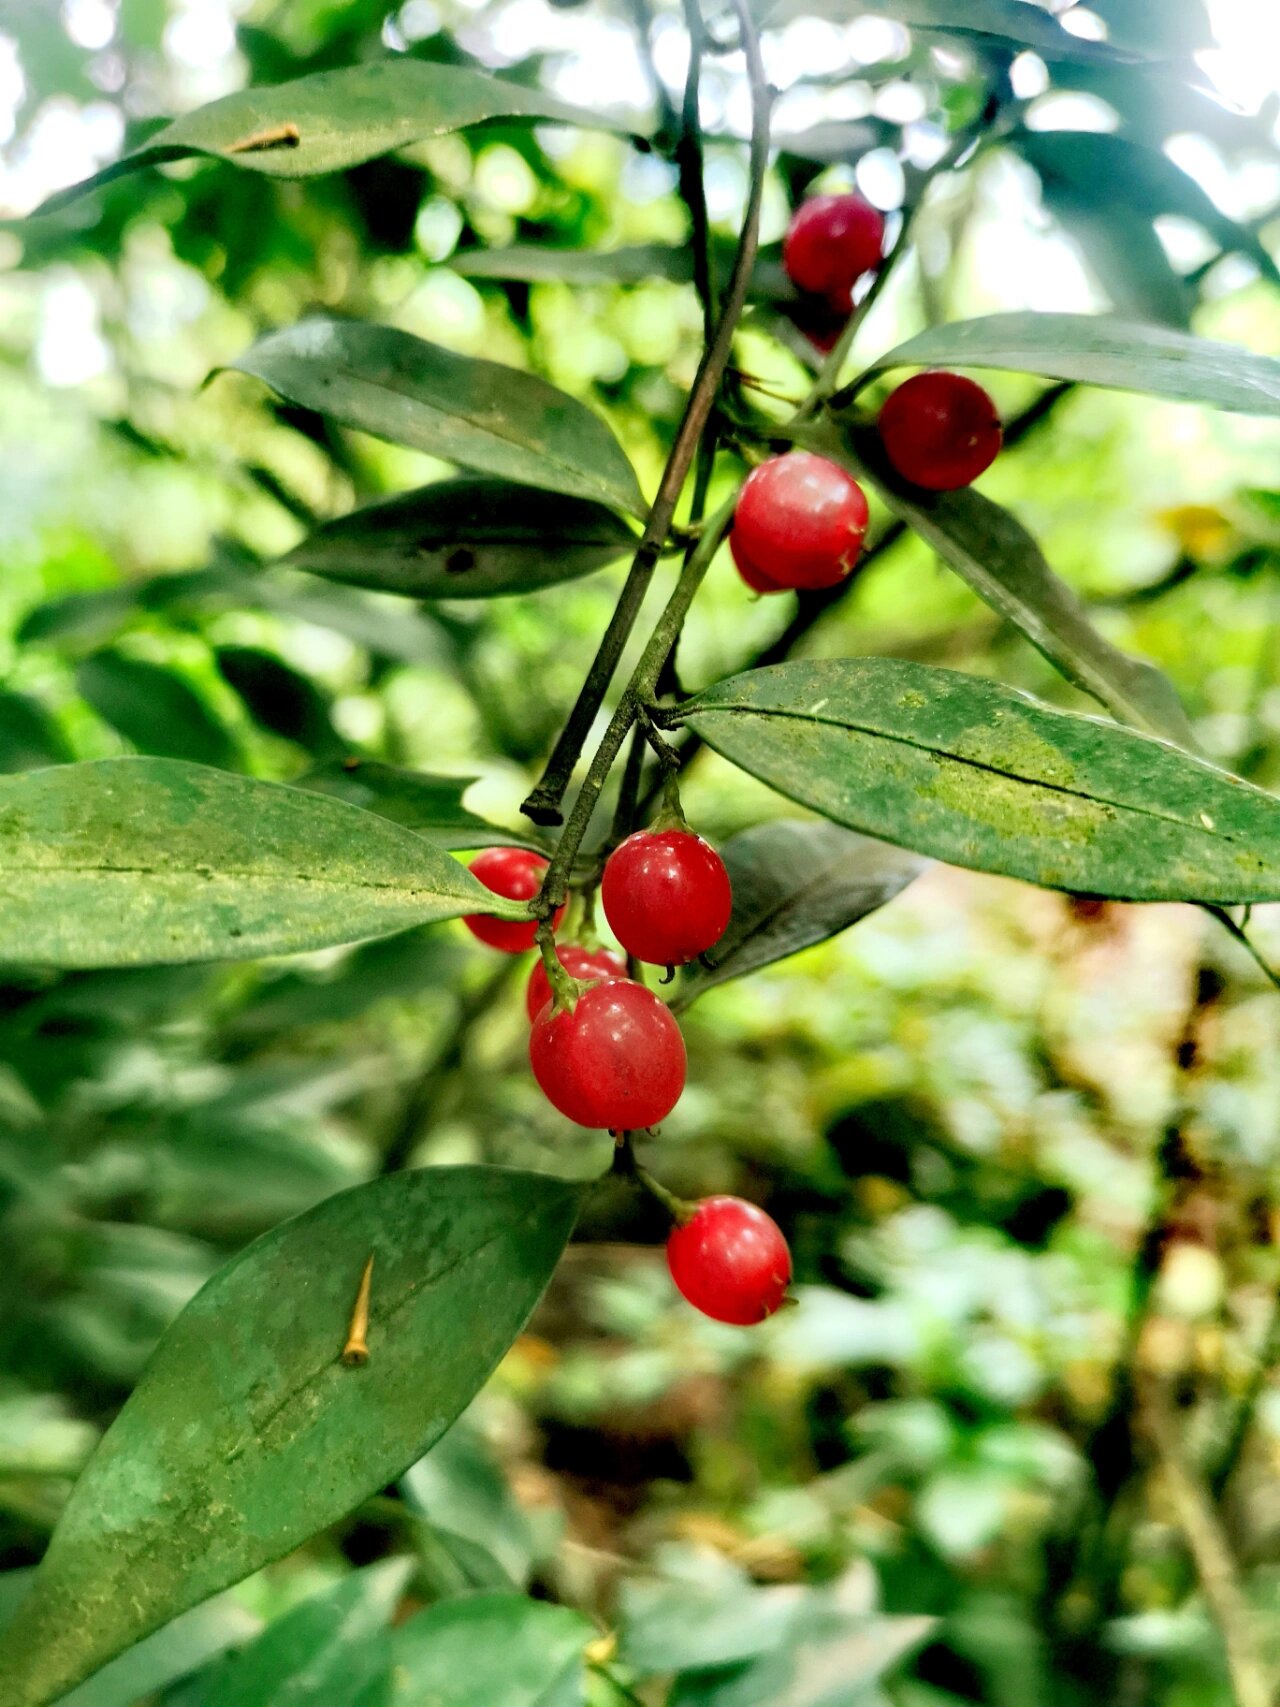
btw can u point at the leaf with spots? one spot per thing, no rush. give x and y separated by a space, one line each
974 773
494 419
137 862
248 1434
335 119
471 538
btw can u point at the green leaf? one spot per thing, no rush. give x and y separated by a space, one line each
466 539
154 708
247 1434
171 1653
833 1668
635 263
1124 254
482 1649
1086 165
1095 349
131 862
994 553
495 419
29 737
461 1489
280 698
1004 24
683 1626
328 1649
795 883
976 774
336 119
431 805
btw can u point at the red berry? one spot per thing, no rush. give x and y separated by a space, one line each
831 242
940 431
666 895
517 874
616 1060
750 574
730 1260
588 964
800 521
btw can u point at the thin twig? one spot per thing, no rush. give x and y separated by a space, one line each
1202 1530
1268 1355
543 805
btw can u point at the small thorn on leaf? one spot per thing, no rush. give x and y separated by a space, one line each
356 1350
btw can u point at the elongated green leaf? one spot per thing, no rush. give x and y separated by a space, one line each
1125 255
795 883
131 862
167 1655
483 1649
974 773
247 1433
466 539
335 119
431 805
1001 561
29 737
495 419
328 1649
1096 349
633 264
988 23
154 708
280 698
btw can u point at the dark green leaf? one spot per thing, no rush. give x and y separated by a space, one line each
279 698
1096 349
495 419
795 883
971 772
1086 165
466 539
1124 253
484 1649
29 737
154 708
1000 560
431 805
327 1650
336 119
127 862
247 1434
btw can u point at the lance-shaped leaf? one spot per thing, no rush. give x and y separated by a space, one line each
134 862
796 882
633 264
336 119
1096 349
982 776
248 1433
466 539
1001 561
495 419
431 805
155 708
1002 24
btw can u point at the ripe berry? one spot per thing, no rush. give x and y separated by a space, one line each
730 1260
750 574
940 431
616 1060
800 521
588 964
666 895
831 242
517 874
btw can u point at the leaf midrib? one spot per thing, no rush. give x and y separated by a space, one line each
974 764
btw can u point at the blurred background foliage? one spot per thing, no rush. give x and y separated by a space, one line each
1025 1147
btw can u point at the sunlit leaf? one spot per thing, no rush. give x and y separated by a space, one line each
431 805
974 773
247 1433
128 862
482 1649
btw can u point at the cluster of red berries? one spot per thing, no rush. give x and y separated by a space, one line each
615 1058
800 520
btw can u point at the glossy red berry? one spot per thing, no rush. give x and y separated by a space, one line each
831 242
800 521
616 1060
666 895
730 1260
750 574
940 431
587 964
517 874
